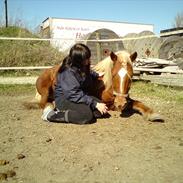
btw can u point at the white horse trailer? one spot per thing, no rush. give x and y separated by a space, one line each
65 32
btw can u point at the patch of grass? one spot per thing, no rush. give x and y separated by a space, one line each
141 89
144 89
13 90
17 73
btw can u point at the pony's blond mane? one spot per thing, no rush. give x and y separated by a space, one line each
105 66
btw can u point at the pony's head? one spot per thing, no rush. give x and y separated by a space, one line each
122 77
118 73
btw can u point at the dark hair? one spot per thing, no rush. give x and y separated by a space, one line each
66 63
78 54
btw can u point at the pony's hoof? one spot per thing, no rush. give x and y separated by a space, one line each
156 118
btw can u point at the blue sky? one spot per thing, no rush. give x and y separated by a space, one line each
160 13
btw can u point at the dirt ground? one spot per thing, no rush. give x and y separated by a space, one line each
120 150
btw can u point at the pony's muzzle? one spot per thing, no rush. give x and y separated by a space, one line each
120 103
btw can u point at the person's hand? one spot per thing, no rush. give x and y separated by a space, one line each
102 108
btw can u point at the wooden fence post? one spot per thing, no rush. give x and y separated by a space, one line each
98 47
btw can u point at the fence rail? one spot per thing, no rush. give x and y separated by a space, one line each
91 40
77 40
136 69
25 68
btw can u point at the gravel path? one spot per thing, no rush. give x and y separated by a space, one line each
18 80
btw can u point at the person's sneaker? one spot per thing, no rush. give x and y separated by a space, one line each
57 116
47 112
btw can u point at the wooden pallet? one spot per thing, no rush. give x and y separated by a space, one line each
163 79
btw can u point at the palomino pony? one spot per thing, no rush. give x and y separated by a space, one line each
45 86
113 89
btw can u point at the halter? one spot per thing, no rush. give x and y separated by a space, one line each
122 73
120 95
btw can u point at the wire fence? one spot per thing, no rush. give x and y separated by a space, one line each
81 40
93 40
78 40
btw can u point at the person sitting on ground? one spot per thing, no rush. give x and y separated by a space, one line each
72 102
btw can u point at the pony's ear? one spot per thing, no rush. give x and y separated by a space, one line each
113 56
133 56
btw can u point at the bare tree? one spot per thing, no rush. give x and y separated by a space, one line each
178 21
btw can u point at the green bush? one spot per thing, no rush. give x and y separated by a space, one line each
14 53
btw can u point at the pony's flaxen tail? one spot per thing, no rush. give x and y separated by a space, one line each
34 103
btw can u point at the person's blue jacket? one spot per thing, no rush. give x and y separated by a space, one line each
72 85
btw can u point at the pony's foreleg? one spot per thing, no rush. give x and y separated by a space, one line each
146 112
34 103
